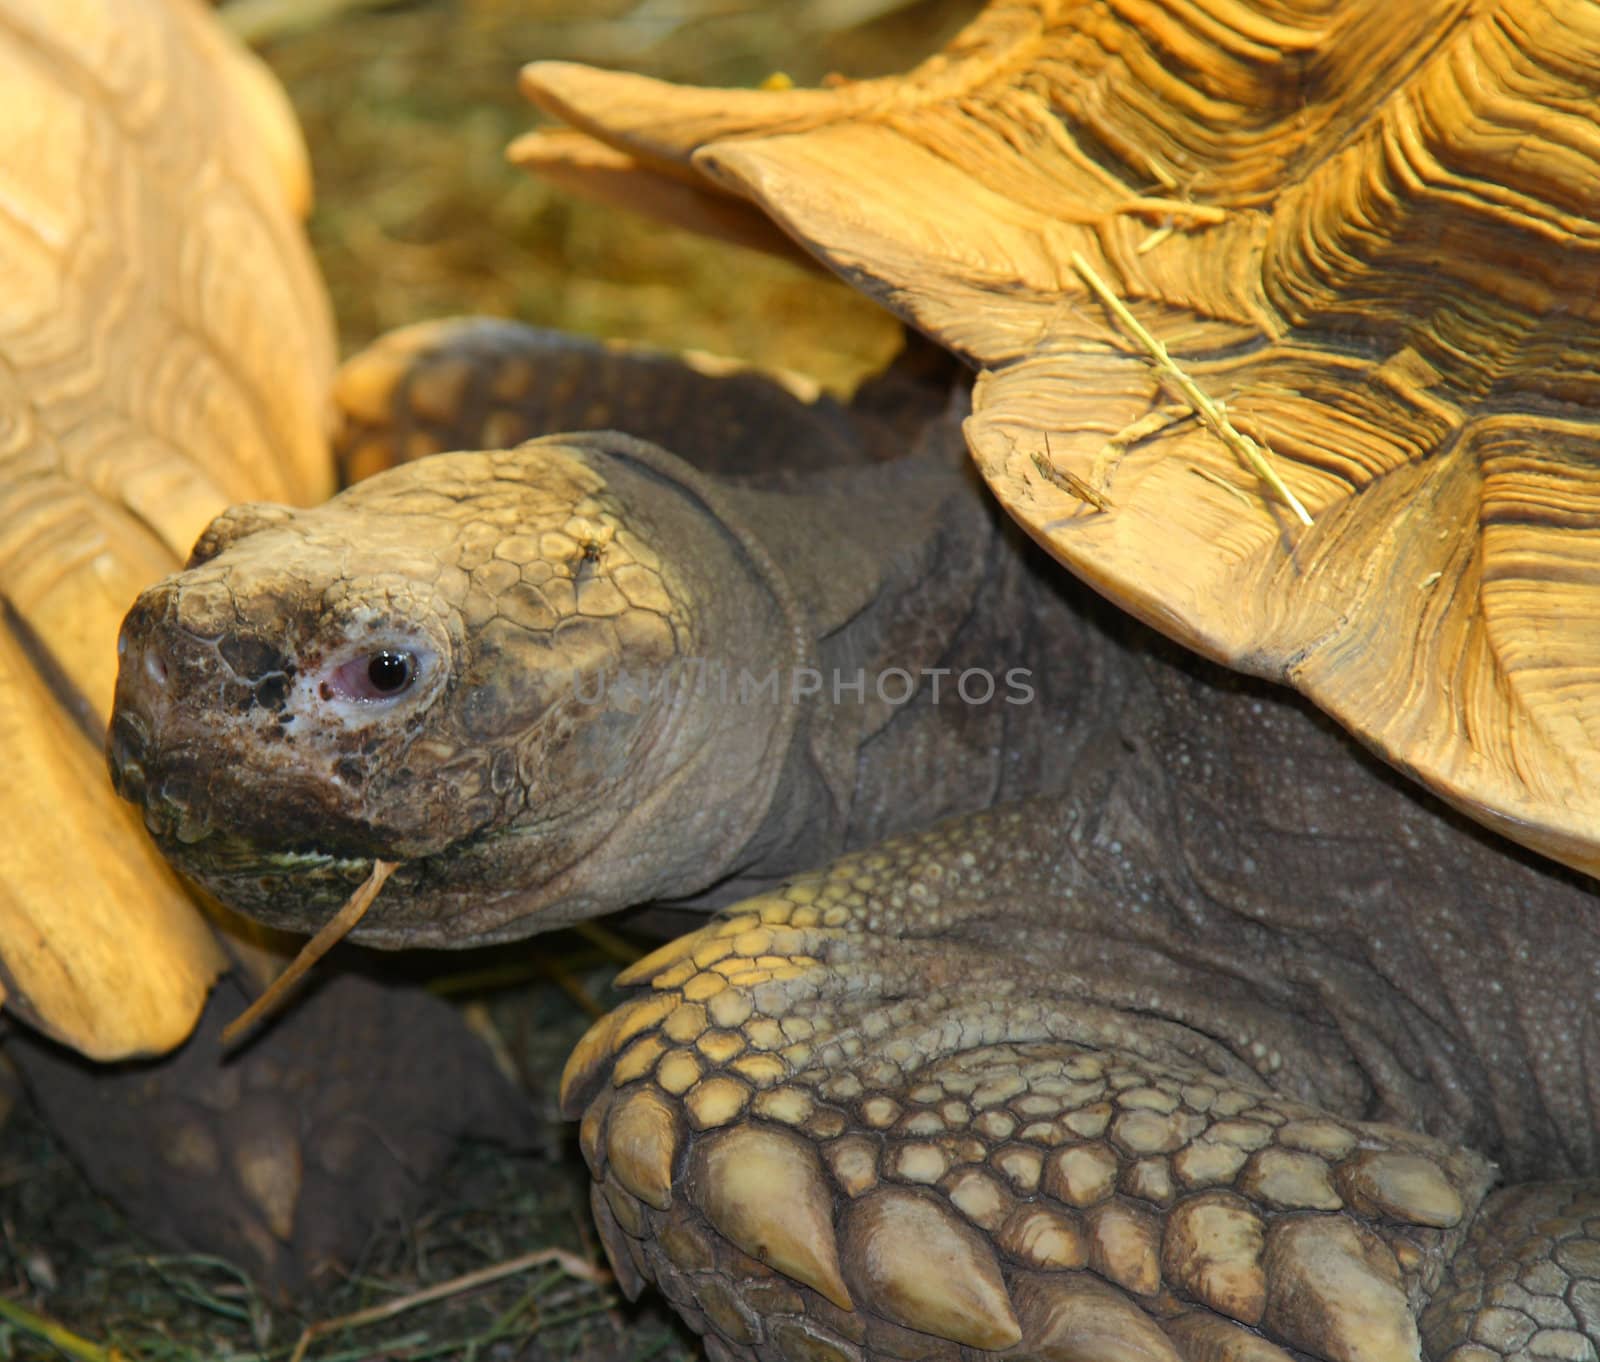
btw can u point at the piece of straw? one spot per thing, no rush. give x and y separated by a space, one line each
1213 419
1069 482
569 1263
57 1336
333 931
1207 215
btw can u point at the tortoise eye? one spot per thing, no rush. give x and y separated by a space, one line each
390 673
373 676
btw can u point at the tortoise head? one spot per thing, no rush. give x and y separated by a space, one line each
486 667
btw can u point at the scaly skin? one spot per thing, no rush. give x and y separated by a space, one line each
1199 1053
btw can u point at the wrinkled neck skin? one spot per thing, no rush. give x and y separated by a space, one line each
839 577
945 670
710 769
816 642
884 563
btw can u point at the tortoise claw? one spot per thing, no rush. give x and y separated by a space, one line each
1337 1293
764 1189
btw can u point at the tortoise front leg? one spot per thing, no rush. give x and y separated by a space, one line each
837 1128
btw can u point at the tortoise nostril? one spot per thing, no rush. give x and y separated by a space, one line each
128 781
126 750
155 667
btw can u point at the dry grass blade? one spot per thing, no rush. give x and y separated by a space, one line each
333 931
1069 482
62 1339
1223 483
569 1263
1201 213
616 948
1207 410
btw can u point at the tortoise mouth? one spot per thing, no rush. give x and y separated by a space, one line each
442 900
292 888
228 830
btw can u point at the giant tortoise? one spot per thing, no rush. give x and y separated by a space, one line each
1086 999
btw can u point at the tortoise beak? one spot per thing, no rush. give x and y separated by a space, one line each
138 712
127 752
133 749
167 797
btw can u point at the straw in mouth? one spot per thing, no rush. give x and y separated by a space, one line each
332 932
